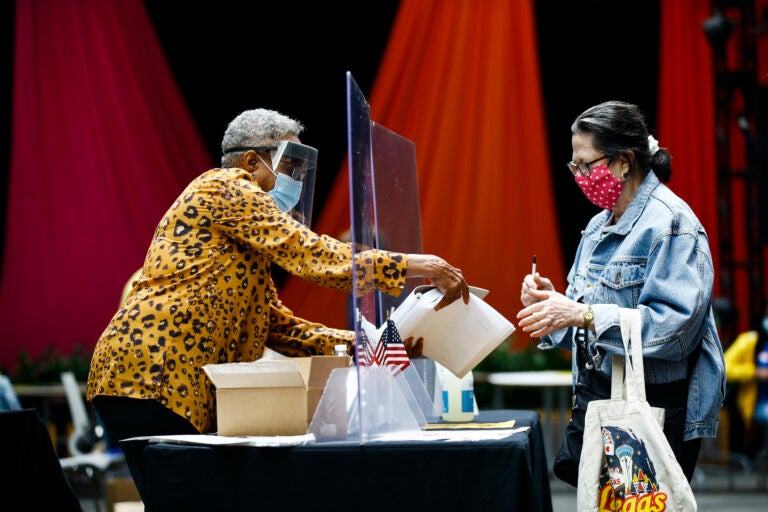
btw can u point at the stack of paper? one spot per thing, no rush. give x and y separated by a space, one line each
458 336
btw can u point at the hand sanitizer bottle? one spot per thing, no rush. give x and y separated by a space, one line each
458 395
341 350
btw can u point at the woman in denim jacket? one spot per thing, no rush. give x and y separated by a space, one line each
645 250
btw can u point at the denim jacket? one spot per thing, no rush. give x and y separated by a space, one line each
656 258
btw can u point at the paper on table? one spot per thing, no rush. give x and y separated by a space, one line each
214 440
458 336
451 435
452 426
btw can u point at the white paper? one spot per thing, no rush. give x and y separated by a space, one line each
216 440
458 336
451 435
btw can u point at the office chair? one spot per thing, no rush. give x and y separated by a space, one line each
84 443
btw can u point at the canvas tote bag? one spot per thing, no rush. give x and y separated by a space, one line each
626 462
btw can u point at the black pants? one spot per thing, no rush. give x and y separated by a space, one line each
132 417
672 397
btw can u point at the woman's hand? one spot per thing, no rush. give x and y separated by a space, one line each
414 349
531 283
549 311
447 278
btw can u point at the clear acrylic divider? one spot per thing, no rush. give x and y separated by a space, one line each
384 211
398 228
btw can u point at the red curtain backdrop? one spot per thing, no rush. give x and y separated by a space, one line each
686 108
687 127
686 114
461 80
102 143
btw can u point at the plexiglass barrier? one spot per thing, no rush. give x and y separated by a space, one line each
364 401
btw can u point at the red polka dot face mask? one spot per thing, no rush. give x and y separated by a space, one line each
601 187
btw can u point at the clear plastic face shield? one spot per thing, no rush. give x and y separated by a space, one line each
293 166
297 162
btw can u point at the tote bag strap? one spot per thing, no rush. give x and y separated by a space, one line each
631 336
618 391
633 386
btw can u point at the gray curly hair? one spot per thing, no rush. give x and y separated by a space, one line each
258 127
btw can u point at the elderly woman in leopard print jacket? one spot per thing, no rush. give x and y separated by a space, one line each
205 295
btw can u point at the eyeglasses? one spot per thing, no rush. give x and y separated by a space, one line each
287 166
584 168
294 159
293 169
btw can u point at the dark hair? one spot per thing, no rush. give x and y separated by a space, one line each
618 128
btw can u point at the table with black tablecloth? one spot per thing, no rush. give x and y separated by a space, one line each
508 474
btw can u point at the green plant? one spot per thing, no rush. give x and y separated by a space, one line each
47 366
510 358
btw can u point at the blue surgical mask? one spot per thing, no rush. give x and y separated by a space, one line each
286 192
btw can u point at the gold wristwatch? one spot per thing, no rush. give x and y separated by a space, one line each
589 317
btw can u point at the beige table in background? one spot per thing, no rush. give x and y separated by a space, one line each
550 381
43 395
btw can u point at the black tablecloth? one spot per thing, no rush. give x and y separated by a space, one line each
509 474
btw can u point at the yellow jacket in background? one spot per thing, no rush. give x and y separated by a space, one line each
740 368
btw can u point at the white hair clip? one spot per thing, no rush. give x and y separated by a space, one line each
653 145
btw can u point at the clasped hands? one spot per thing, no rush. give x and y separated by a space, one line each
545 309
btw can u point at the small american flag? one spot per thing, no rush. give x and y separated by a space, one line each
394 353
378 349
365 353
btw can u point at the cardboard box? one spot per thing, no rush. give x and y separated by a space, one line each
122 490
274 397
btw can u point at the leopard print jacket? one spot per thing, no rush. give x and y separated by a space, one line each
205 295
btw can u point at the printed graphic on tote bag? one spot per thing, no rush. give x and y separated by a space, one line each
627 479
